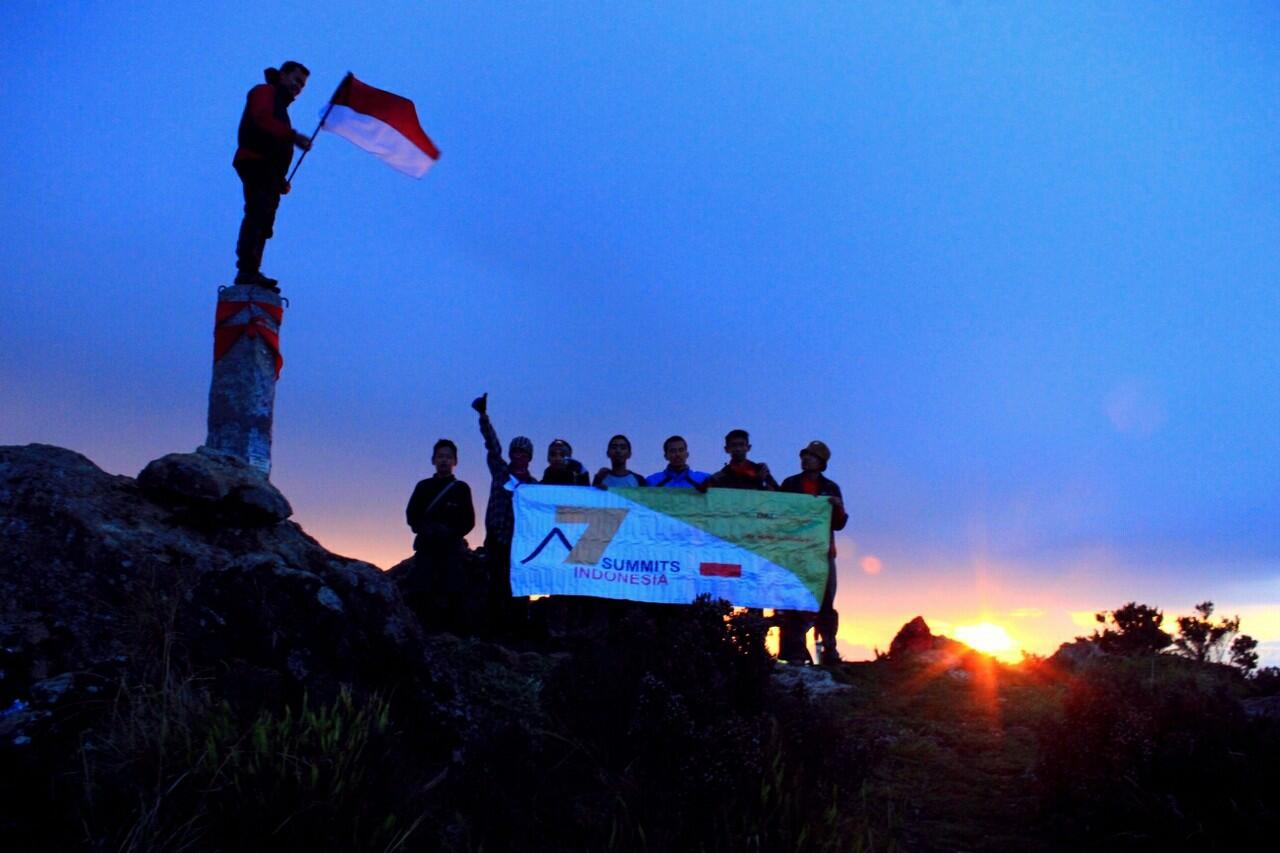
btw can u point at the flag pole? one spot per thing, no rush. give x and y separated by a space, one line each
315 132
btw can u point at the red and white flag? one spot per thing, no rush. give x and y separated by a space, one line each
381 123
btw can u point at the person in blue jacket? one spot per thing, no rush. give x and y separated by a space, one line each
677 474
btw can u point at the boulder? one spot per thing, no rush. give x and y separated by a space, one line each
213 487
812 681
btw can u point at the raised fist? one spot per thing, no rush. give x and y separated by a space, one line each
481 403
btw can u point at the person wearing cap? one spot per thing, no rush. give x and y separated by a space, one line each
562 468
499 518
795 623
677 474
266 140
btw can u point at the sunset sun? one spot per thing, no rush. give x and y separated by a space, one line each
986 637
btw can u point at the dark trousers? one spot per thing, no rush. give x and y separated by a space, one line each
794 625
437 588
828 619
261 198
508 615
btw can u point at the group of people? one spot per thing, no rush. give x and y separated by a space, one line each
440 514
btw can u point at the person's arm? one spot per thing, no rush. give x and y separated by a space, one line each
493 447
598 479
766 478
413 510
839 517
262 103
464 519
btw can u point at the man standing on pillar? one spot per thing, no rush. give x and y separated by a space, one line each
266 139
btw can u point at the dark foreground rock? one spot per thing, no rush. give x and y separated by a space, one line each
93 564
186 588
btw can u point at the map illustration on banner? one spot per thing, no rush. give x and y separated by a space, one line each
753 549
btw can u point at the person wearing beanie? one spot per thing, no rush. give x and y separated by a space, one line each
266 140
562 468
499 517
811 480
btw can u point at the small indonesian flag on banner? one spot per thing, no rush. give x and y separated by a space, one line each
381 123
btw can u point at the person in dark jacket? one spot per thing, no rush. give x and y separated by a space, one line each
740 472
499 518
617 475
266 140
562 469
795 623
440 514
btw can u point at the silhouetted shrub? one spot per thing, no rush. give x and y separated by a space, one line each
1135 630
1159 752
1266 681
662 739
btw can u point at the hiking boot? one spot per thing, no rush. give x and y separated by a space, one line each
257 279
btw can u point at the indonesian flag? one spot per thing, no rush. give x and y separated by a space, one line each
381 123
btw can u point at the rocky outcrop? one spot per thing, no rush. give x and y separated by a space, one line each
102 574
912 638
916 643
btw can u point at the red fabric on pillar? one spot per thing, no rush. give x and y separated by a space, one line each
225 336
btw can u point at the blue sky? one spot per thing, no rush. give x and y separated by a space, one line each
1016 264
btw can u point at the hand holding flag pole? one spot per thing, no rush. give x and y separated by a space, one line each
311 139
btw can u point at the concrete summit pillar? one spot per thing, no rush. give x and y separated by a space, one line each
246 365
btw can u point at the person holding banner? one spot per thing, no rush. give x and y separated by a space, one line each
740 472
794 624
562 468
617 476
677 474
499 518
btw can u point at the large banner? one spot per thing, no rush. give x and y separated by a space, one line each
754 549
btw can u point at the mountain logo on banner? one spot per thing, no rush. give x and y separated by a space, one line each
602 525
556 533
